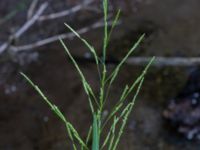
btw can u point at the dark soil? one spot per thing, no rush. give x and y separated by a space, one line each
26 122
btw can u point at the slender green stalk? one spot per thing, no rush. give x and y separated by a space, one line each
105 6
113 25
86 86
90 47
95 142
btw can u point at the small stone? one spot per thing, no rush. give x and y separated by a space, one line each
196 95
194 101
46 119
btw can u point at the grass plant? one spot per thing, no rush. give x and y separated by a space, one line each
115 122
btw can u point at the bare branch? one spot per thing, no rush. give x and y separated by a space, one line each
3 47
56 37
32 9
65 12
24 28
30 22
165 61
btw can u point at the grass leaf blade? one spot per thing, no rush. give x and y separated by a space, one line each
113 25
115 72
91 48
86 86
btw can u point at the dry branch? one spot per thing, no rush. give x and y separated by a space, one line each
65 12
32 9
24 28
165 61
52 39
30 22
34 16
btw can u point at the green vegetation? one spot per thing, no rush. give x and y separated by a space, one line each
116 120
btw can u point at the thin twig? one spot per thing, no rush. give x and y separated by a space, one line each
165 61
65 12
24 28
52 39
32 9
30 22
143 61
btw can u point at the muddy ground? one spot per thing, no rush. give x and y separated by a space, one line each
26 123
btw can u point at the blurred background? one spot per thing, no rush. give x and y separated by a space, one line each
29 32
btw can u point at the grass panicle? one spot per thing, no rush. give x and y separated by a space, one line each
119 113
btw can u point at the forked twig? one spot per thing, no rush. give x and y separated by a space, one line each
37 17
30 22
24 28
52 39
